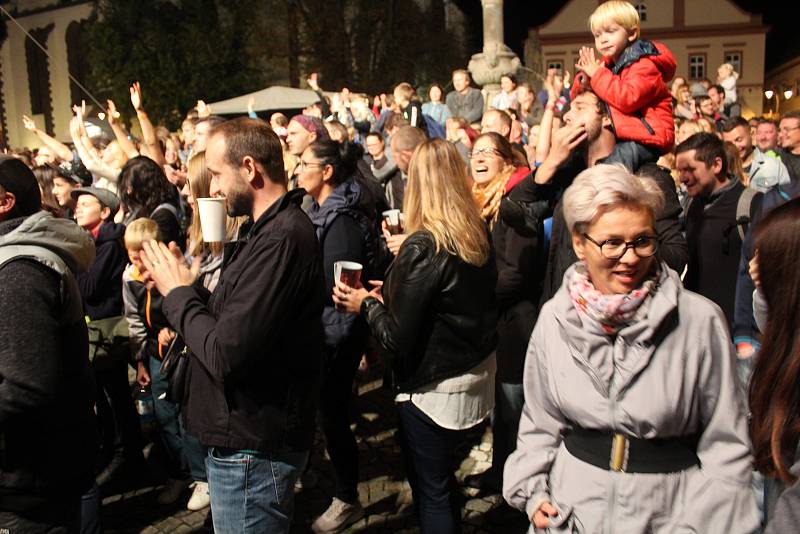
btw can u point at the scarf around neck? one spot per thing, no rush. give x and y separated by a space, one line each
608 314
488 196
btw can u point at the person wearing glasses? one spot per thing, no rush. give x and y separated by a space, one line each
632 420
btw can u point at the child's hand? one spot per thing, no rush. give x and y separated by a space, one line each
588 62
142 375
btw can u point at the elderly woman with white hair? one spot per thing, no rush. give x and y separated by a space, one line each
632 422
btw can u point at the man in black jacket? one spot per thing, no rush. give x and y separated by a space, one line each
586 140
257 340
47 433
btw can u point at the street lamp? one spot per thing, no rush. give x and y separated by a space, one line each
787 94
769 93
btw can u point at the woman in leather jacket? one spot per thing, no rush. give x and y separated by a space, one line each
436 317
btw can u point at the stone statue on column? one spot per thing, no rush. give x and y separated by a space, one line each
496 58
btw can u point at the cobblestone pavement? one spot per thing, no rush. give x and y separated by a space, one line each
383 491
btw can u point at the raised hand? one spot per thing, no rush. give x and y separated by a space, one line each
28 123
136 96
203 109
251 104
112 112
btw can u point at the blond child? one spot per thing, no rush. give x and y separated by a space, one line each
631 78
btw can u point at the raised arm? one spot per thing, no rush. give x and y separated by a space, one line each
151 147
61 150
85 149
125 143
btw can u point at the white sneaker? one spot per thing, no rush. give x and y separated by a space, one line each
200 497
337 517
172 490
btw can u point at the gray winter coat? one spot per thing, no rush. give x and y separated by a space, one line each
670 375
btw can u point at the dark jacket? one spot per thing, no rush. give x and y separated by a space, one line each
345 234
715 246
744 325
101 286
413 114
547 200
257 340
47 422
439 318
520 266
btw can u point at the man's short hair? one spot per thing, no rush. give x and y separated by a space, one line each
708 147
405 89
461 71
602 107
253 137
504 117
794 114
718 88
376 135
765 120
280 119
732 123
408 138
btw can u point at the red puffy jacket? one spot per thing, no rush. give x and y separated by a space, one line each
635 89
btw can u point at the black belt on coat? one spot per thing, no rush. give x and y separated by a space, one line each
617 452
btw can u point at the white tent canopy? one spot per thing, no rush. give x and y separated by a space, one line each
275 97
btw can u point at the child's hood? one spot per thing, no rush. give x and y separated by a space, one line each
656 52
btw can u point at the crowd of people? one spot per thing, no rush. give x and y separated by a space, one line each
605 269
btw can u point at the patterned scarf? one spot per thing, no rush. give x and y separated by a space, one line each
488 196
608 314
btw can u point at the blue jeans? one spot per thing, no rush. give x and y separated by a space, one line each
428 455
252 492
509 400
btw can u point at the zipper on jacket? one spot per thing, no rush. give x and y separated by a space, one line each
649 128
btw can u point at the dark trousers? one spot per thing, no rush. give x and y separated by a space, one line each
334 410
428 455
509 400
63 516
117 416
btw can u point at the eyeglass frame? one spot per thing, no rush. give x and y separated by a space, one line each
628 244
789 129
485 151
303 164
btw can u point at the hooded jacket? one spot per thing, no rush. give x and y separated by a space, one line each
668 375
46 384
635 89
344 233
101 285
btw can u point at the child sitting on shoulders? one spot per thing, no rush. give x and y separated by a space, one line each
632 79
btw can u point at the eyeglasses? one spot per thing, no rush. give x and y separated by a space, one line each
484 152
304 164
788 129
614 248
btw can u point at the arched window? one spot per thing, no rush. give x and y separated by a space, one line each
76 61
642 9
39 75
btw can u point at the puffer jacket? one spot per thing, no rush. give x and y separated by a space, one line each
669 375
101 286
635 89
439 314
48 437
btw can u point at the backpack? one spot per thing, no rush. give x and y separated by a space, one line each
435 130
743 210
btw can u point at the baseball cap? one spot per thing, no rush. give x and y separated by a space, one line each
76 172
18 179
107 198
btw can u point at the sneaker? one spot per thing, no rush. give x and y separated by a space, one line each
308 480
172 490
200 497
337 517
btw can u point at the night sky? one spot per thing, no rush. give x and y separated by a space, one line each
521 15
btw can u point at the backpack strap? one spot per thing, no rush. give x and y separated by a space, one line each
743 210
169 207
70 294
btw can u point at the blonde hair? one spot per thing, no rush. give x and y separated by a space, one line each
139 231
622 13
404 91
438 199
603 187
199 178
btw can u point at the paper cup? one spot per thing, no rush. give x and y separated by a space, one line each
213 219
394 221
347 272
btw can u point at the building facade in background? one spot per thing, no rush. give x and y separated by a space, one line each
781 88
32 83
703 34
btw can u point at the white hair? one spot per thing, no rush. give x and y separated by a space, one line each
602 187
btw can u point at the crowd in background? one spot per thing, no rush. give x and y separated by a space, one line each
591 263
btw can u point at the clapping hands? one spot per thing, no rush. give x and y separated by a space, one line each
588 62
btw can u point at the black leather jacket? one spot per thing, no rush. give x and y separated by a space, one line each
439 318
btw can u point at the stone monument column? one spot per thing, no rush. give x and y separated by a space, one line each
496 58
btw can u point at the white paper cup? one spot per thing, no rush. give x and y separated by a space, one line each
213 219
